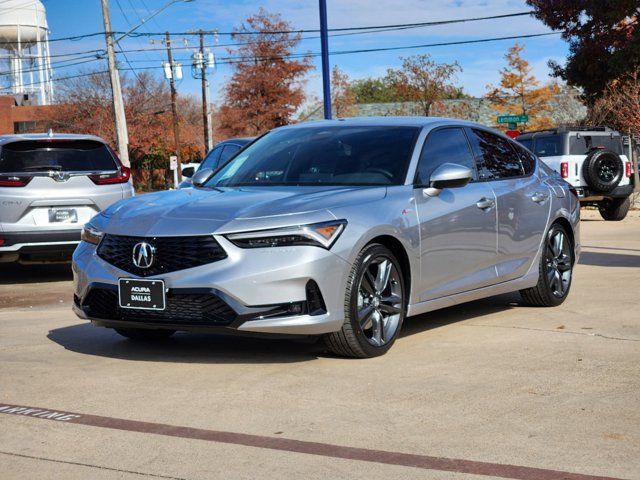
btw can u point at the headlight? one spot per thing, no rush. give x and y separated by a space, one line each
318 234
91 235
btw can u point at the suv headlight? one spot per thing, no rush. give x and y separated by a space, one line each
91 235
317 234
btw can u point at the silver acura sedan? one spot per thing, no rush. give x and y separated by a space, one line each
338 229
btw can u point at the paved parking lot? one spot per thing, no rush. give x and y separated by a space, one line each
489 389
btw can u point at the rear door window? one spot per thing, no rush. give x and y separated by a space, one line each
583 144
445 145
527 159
496 158
58 155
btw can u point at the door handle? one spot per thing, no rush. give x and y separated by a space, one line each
485 203
539 197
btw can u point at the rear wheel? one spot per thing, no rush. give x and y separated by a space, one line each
145 334
374 305
615 209
555 270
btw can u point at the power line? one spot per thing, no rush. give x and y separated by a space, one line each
358 31
372 28
238 60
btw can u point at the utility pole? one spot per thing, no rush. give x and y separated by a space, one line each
206 112
324 47
174 108
116 91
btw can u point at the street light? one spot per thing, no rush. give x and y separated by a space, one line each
324 48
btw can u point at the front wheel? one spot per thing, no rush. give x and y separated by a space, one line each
615 209
555 270
374 305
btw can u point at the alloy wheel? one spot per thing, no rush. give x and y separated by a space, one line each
607 170
380 300
559 263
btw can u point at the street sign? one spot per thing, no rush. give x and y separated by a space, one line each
173 162
513 118
512 133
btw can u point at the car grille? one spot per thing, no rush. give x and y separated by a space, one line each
186 309
171 253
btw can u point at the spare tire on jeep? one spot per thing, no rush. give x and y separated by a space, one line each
603 170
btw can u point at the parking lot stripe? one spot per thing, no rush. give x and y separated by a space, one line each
426 462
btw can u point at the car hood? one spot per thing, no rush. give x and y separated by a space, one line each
196 211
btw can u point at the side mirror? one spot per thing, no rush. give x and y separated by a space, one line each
448 175
188 172
201 177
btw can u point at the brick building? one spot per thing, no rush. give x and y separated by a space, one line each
16 118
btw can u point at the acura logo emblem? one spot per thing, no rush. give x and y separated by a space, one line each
143 254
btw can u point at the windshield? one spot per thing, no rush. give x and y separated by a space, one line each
332 155
60 155
583 144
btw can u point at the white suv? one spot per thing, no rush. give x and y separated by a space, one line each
50 186
592 160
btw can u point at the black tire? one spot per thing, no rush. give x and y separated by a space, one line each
603 170
145 334
615 209
545 293
353 338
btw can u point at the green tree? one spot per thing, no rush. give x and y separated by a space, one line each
423 81
267 85
520 92
343 99
603 36
374 90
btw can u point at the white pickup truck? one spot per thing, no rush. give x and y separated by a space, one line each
592 160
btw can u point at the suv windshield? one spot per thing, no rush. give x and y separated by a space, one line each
60 155
332 155
583 144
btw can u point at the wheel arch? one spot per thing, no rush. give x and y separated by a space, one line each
398 249
568 227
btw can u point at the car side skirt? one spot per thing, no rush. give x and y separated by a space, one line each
527 281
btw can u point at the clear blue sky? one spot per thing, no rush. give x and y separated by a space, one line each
480 62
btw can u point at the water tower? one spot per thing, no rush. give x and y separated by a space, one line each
25 70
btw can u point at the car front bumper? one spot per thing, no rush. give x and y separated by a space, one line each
255 286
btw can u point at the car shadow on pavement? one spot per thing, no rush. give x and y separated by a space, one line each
607 259
185 347
15 273
459 313
87 339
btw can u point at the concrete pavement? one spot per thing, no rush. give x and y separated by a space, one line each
490 381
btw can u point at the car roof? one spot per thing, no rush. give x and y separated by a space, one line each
413 121
4 139
239 140
593 131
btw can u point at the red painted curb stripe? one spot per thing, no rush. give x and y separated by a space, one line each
426 462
